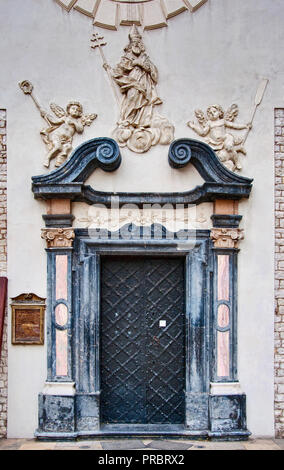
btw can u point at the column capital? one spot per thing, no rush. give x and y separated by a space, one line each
58 237
226 237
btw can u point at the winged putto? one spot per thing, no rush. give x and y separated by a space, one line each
59 135
62 126
216 126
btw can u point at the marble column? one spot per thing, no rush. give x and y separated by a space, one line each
227 403
57 401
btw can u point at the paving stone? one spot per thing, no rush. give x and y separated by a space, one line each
10 447
67 444
82 445
143 448
261 444
136 444
147 441
69 448
38 446
96 446
214 445
92 445
169 445
122 444
280 443
148 448
11 444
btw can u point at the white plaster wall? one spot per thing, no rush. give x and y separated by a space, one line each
216 55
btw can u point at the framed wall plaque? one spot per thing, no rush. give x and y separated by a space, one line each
28 319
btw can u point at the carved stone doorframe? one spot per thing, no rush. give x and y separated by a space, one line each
76 411
87 286
70 403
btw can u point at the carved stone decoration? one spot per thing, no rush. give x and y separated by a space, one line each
58 237
226 237
152 14
174 220
139 126
215 126
62 126
69 181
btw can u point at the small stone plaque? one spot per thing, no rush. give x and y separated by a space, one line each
27 321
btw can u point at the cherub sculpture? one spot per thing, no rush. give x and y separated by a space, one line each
216 128
58 136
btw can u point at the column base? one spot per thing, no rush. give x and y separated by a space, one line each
63 412
228 416
208 416
88 412
56 413
230 436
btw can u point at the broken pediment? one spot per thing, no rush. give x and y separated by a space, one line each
69 181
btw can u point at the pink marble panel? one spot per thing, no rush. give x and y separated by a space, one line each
223 316
61 314
61 276
223 277
223 354
61 353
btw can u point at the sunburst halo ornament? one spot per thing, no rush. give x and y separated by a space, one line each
150 14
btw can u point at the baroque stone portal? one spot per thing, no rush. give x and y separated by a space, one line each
139 126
